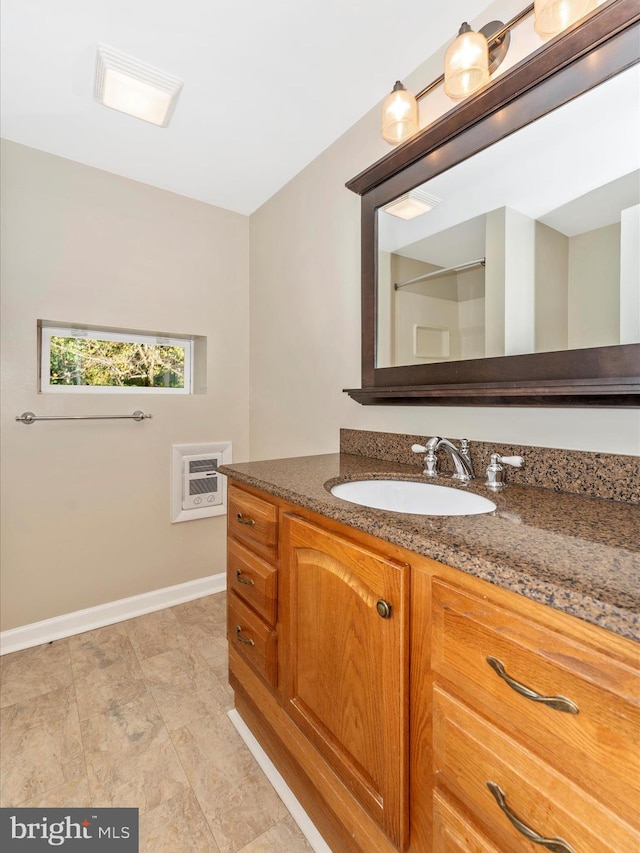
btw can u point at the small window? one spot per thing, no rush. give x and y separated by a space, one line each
101 360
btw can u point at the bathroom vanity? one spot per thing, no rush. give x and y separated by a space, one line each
439 684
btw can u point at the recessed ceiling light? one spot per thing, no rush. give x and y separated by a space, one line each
130 86
412 204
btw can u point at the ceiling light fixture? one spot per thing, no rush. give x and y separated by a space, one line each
412 204
471 59
130 86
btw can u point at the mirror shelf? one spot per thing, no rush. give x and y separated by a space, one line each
595 50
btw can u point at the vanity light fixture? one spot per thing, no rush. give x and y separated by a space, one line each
399 115
412 204
136 88
553 16
471 59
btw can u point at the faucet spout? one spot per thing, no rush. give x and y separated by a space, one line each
459 456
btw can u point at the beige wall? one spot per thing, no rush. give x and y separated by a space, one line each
85 505
594 288
305 321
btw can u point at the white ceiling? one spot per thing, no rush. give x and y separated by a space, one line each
267 85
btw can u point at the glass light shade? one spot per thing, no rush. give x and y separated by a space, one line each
399 115
466 64
553 16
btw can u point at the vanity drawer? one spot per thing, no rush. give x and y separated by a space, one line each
453 833
602 737
253 520
469 753
253 580
253 639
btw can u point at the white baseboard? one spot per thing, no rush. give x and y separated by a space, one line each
107 614
307 827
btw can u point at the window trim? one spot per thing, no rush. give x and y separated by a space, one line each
49 330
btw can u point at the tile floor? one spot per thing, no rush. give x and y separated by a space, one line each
135 715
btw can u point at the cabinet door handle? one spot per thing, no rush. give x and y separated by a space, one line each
384 608
243 520
241 579
246 640
556 845
558 703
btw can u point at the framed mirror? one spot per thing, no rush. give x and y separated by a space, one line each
518 282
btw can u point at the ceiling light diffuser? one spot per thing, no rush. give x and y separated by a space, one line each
412 204
130 86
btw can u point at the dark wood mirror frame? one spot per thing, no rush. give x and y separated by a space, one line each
584 56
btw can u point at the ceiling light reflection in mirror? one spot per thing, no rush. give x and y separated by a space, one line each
533 247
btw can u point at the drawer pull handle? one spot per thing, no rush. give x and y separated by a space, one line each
241 579
243 520
556 845
245 640
558 703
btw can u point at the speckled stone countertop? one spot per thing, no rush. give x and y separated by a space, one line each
576 554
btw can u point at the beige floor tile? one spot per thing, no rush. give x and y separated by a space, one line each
40 751
235 796
127 729
141 781
227 698
211 641
176 826
97 651
32 672
131 760
182 670
134 715
71 795
208 610
284 837
212 754
180 709
154 633
121 688
37 710
245 811
106 670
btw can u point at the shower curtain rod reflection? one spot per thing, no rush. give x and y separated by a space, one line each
29 417
444 271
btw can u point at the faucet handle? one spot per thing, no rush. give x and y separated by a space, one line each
515 461
430 460
495 470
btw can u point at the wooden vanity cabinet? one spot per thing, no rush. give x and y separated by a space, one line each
542 709
344 645
369 686
252 577
323 680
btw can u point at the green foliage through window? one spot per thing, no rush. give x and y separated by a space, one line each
92 362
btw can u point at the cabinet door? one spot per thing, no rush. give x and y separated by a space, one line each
344 626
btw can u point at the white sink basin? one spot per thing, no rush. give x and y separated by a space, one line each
411 497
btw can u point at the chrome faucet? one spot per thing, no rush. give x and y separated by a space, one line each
459 456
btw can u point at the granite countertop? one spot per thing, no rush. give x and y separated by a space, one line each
576 554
